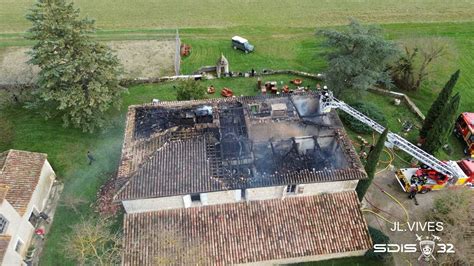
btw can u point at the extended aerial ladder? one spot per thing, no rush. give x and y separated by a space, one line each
450 168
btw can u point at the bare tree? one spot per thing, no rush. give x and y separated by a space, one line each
413 67
453 209
92 242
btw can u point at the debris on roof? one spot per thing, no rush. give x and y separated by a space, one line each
232 143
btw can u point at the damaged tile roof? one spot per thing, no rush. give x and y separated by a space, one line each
177 148
4 241
20 172
254 231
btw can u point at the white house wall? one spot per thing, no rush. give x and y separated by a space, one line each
264 193
328 187
234 196
13 229
42 190
174 202
154 204
222 197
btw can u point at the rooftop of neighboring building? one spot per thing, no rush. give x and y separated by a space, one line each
19 174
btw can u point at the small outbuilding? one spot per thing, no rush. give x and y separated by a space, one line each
222 66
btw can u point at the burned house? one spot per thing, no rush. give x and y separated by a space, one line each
251 179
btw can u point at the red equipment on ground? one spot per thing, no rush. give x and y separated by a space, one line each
297 82
226 92
211 89
185 49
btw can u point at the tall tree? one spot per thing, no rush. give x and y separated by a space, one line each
412 68
78 76
371 165
358 59
438 105
442 126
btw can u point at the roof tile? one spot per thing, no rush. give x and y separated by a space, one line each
20 172
253 231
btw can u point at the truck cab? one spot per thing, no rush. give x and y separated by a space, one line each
426 179
242 44
467 167
464 129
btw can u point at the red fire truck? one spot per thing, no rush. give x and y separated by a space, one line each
434 174
464 129
426 179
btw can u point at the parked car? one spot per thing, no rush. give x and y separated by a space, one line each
242 44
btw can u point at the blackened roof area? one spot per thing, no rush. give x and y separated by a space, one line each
233 144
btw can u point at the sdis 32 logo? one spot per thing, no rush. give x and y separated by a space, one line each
427 246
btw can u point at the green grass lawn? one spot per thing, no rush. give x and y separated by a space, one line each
275 49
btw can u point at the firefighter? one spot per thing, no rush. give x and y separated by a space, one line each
423 180
413 191
90 157
414 180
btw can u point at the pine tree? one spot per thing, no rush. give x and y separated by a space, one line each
371 165
443 126
438 105
79 76
358 58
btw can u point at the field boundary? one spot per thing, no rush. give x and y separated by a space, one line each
266 72
177 57
411 105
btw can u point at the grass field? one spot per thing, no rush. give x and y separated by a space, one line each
123 14
284 35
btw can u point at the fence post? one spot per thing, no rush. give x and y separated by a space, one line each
177 59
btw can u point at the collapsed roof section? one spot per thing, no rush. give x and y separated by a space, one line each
177 148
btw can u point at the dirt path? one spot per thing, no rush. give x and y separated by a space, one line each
392 211
140 59
145 59
14 68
